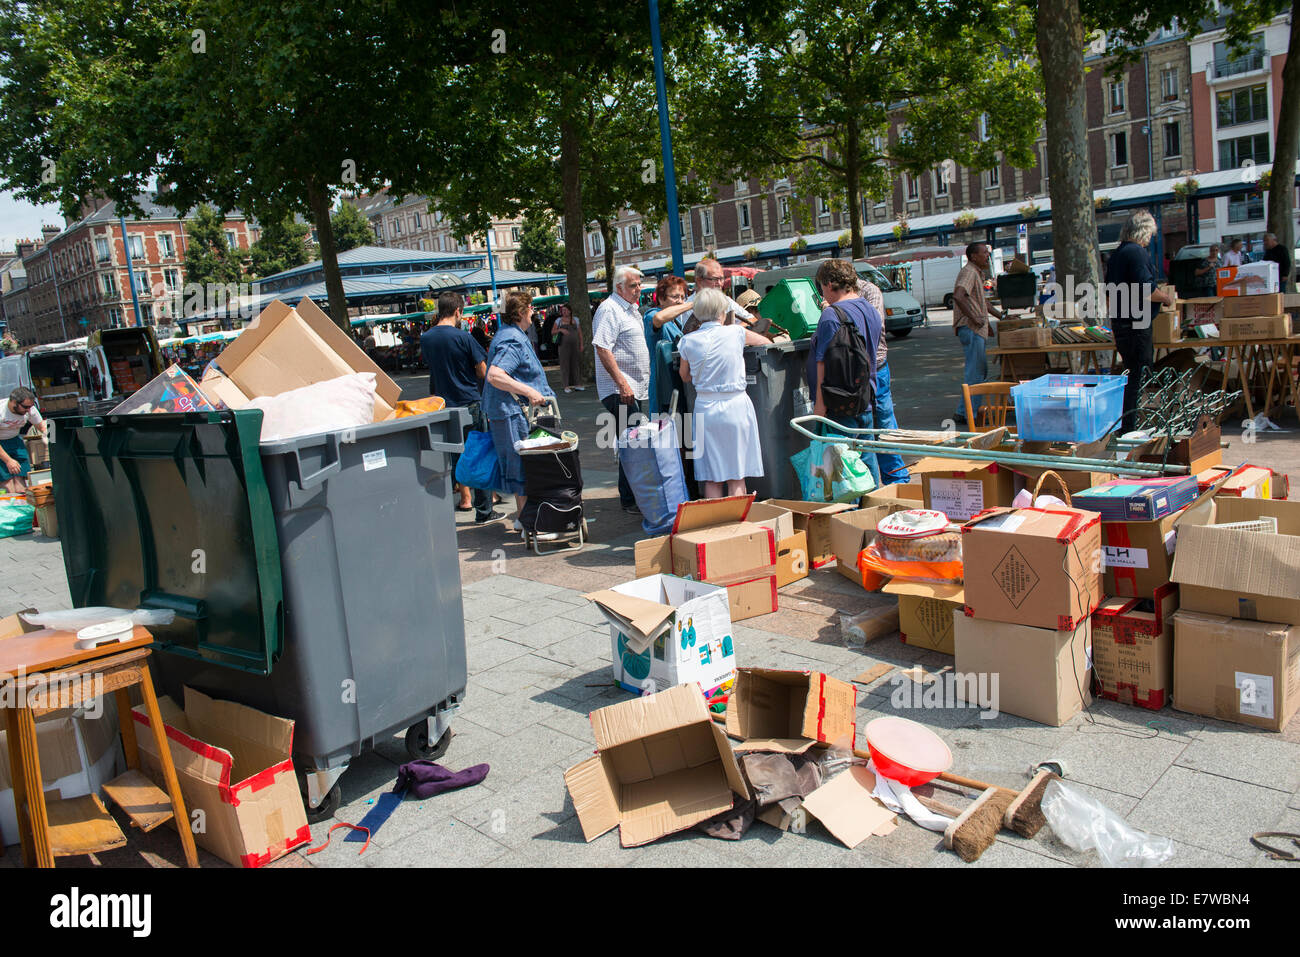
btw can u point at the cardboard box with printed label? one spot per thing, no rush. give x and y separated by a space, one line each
1247 279
666 631
1133 650
1256 327
962 489
234 764
925 613
287 348
1137 557
1246 672
1041 674
662 766
1031 566
1195 312
814 519
853 531
790 711
1239 572
712 541
907 494
1267 304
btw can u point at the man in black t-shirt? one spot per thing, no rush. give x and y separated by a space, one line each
1275 252
457 365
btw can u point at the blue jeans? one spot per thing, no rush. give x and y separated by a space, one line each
976 370
864 421
892 468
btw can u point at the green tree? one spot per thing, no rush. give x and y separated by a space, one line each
814 86
208 257
538 249
351 229
282 245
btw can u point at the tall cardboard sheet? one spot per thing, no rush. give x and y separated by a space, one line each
848 808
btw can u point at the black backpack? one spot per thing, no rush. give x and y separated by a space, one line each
848 387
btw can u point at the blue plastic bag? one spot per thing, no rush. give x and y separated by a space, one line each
831 472
652 461
478 466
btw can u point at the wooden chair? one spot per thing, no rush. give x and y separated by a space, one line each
993 413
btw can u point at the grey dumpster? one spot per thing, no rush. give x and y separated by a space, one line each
315 578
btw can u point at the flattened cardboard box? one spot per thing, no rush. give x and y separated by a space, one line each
814 519
1237 573
287 348
853 531
1031 566
925 613
1042 675
666 631
790 711
662 766
962 489
1241 671
233 763
1133 650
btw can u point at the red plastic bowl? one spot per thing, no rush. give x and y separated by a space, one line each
906 752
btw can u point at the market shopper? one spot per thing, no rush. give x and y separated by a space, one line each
18 411
892 467
1234 256
513 372
663 324
709 274
1275 252
570 349
1204 272
623 362
726 428
970 322
457 367
837 281
1130 282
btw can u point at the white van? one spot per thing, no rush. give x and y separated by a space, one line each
932 279
902 312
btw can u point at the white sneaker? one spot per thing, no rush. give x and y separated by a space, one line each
580 388
567 390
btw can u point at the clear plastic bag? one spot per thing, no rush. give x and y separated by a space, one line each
74 619
1084 824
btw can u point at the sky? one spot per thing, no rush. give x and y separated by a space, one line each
19 219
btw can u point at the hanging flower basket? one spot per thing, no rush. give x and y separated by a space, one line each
1100 202
799 245
845 240
901 229
964 220
1265 181
751 253
1186 188
1028 211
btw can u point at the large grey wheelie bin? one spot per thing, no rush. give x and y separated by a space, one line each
314 578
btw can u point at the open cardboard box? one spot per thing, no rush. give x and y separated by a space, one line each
850 532
1133 650
790 711
962 489
662 766
234 764
925 612
286 348
814 520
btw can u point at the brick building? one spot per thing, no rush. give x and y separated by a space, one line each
407 223
77 280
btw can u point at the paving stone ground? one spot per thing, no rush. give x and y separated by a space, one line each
539 664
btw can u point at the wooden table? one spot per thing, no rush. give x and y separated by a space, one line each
1091 353
1266 364
47 672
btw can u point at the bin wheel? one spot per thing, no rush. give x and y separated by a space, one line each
326 808
417 742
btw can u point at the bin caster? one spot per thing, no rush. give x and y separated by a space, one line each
417 742
333 798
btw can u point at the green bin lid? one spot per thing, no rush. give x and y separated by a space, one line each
172 511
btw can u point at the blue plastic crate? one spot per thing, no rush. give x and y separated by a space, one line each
1068 408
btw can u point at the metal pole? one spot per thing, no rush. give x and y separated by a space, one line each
492 271
57 298
130 270
666 145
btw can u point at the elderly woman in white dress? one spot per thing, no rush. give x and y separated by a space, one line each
725 427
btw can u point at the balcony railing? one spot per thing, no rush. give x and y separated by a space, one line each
1247 64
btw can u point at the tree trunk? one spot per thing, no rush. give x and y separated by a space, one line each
318 199
853 183
1281 197
1074 222
575 231
607 240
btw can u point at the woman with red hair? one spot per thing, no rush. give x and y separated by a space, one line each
661 325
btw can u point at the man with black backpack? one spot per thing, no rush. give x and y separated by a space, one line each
842 361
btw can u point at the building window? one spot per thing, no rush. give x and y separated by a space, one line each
1119 149
912 187
823 210
114 317
1234 153
515 234
706 218
109 283
165 246
984 127
783 209
418 221
231 239
1244 207
1169 84
634 237
940 184
137 246
1116 97
1247 105
1173 139
993 178
379 231
1227 65
103 252
142 282
397 227
744 216
742 186
172 279
597 244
